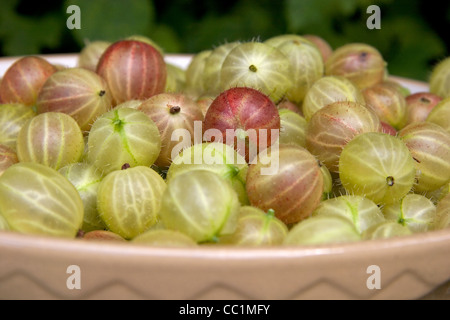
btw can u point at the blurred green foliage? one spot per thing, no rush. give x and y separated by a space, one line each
413 35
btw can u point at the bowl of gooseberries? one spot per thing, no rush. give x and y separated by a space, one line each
270 169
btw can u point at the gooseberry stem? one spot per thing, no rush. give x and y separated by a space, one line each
174 109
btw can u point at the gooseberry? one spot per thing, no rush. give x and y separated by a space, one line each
24 79
442 220
216 157
419 106
259 66
385 230
440 79
205 210
123 136
78 92
292 128
387 103
361 63
377 166
129 200
36 199
213 66
133 70
322 229
53 139
86 180
164 238
360 211
90 54
307 66
440 114
249 115
12 118
415 211
8 157
334 125
256 228
288 180
327 90
171 112
429 145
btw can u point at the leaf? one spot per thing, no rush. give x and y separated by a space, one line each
304 13
244 23
406 42
24 35
166 38
416 46
31 36
111 20
300 14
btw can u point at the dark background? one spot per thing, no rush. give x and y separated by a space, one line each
414 34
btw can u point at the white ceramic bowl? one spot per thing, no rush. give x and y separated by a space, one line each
411 267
